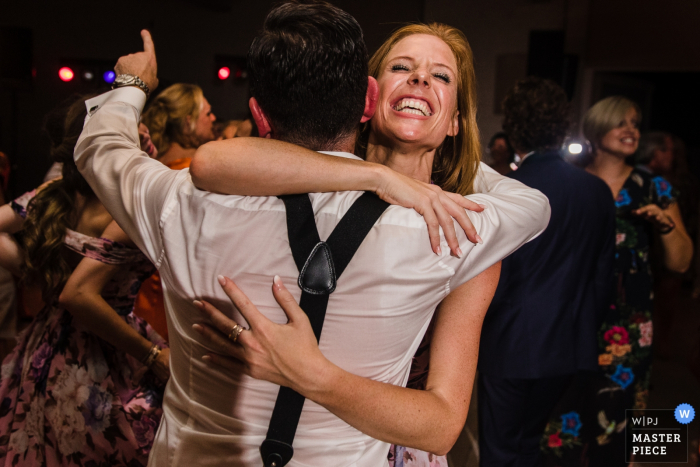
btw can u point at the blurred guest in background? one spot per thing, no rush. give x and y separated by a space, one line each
226 129
177 122
234 129
541 326
8 308
502 154
72 391
647 215
674 294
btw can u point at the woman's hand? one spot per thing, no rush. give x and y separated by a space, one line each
161 365
657 216
437 207
287 355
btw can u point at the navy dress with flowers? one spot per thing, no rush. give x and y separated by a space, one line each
591 430
67 398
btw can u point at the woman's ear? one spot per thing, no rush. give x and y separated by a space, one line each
453 130
190 124
260 119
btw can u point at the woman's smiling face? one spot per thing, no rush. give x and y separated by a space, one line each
418 93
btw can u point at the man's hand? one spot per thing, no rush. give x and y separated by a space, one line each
141 64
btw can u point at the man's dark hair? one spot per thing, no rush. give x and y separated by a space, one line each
536 115
308 72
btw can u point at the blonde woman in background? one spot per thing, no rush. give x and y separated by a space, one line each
591 429
179 120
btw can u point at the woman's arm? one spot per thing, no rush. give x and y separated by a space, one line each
430 420
82 297
10 221
677 245
10 254
267 167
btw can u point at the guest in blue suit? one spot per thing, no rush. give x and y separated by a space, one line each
541 327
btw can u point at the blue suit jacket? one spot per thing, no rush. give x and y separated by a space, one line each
554 291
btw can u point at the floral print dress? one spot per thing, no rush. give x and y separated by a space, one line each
592 425
67 397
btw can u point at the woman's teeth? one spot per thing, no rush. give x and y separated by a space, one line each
413 106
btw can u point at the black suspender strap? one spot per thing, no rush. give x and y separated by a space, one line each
320 264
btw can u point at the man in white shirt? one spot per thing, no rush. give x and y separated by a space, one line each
387 293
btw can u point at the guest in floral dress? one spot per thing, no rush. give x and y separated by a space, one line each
76 391
592 429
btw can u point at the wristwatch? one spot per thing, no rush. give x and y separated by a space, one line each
130 80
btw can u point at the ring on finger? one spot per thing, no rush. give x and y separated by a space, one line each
235 332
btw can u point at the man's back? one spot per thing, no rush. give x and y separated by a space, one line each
376 317
375 320
552 292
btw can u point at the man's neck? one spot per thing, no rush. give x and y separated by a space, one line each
346 144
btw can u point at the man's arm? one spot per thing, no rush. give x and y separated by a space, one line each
515 214
132 186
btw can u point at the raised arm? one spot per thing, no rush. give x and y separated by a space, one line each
132 186
82 297
288 355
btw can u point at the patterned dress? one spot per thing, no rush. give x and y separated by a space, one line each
590 429
401 456
66 396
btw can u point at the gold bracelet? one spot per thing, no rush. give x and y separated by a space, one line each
152 355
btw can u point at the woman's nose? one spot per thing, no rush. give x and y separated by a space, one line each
420 79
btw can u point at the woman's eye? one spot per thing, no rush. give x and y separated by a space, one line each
443 77
399 67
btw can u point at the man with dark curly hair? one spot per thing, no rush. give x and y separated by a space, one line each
541 327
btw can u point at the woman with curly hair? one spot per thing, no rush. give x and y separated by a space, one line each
75 391
647 217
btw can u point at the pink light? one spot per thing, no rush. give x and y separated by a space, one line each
66 74
224 72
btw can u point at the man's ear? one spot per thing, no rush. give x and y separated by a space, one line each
370 99
453 130
260 119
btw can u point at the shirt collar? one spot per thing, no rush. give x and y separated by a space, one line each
522 159
346 155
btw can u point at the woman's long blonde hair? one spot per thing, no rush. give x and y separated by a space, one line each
457 159
166 116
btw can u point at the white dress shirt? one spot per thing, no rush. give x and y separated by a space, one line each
376 317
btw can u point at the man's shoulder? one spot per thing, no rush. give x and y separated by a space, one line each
334 205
